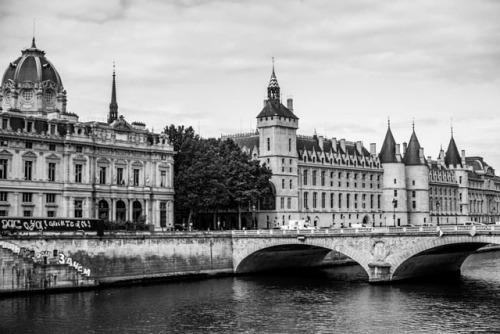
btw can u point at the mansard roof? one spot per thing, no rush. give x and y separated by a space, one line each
275 108
412 155
388 151
452 157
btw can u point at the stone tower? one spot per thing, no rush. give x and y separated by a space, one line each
277 127
394 200
417 182
455 162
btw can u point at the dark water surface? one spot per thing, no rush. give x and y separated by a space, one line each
334 300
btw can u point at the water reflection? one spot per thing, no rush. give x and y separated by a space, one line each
335 300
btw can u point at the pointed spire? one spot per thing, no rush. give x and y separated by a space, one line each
452 157
33 45
412 154
388 151
113 106
273 90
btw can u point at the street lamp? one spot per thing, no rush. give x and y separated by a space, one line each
253 216
437 211
394 204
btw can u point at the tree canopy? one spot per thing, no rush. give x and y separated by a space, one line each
211 174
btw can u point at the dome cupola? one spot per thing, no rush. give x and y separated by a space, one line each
32 85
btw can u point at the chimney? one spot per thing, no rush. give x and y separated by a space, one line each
265 103
320 142
463 157
398 149
289 103
334 144
342 145
359 147
405 146
373 149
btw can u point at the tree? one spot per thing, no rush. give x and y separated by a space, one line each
247 180
210 174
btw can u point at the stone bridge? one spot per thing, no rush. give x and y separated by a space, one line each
386 254
33 261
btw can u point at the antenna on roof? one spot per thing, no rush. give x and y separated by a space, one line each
388 122
413 124
451 121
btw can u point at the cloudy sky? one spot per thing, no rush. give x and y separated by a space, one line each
349 65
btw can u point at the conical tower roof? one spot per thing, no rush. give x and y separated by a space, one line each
412 154
452 157
388 152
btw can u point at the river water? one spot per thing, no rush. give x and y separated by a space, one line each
333 300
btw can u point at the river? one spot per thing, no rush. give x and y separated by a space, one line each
333 300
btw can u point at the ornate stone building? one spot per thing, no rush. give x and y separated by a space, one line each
339 182
53 165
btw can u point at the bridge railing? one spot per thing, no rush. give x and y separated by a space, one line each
371 230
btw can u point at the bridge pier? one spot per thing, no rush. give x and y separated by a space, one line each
379 272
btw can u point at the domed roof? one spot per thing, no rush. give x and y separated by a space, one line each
32 66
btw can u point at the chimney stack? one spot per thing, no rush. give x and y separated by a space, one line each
289 104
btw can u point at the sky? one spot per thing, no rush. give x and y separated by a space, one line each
349 65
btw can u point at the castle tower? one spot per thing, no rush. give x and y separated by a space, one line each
113 106
455 162
417 182
394 200
277 127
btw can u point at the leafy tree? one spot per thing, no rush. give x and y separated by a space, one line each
210 174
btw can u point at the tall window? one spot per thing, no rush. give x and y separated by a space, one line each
163 214
163 178
282 202
348 200
51 171
323 178
269 144
306 200
288 203
3 196
78 208
315 200
102 175
119 175
136 177
305 177
331 200
314 178
28 170
340 201
3 168
283 184
323 200
289 144
78 173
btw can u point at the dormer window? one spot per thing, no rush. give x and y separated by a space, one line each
27 94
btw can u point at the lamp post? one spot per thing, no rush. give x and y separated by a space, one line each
394 203
253 216
437 211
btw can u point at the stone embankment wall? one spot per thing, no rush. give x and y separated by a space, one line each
39 262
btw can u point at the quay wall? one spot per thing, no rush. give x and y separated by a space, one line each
41 262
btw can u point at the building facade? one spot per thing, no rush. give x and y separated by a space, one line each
53 165
336 183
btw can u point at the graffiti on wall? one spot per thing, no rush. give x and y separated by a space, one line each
26 224
63 259
40 256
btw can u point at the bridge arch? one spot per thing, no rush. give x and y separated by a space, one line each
291 252
434 256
